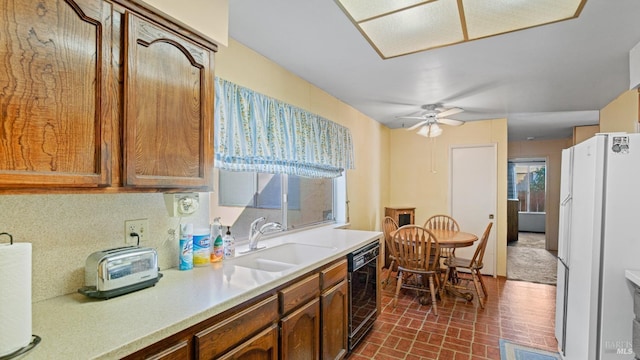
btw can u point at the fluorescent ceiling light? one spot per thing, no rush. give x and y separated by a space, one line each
402 27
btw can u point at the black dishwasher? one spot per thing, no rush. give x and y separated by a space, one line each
363 291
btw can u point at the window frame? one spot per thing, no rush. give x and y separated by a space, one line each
336 195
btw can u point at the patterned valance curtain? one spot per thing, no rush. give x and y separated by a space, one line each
254 132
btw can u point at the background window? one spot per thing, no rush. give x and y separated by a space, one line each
530 180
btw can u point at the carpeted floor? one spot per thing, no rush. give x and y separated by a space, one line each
527 260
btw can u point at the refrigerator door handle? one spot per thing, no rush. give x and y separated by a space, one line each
566 200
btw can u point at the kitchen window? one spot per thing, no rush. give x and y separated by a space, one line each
294 201
277 160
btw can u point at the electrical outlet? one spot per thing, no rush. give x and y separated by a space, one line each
140 227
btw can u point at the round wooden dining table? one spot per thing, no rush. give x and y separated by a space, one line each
453 239
449 239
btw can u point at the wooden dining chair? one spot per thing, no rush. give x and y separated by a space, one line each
417 255
388 226
442 222
473 266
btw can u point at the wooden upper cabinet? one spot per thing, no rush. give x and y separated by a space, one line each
54 105
168 108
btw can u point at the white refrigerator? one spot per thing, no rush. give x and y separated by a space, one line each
599 237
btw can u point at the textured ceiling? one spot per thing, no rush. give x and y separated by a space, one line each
544 80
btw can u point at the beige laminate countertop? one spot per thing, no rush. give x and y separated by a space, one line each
76 327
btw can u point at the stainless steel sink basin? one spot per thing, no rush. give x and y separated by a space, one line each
283 257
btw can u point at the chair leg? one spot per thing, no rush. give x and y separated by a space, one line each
389 271
484 288
398 286
476 283
433 295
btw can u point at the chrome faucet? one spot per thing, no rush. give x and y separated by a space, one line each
255 234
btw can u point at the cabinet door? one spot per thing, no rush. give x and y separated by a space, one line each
55 110
301 333
168 108
334 304
263 346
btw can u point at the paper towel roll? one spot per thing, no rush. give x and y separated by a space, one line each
15 297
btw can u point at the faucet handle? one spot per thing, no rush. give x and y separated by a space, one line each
255 222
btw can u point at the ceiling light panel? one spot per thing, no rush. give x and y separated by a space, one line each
402 27
362 10
421 27
491 17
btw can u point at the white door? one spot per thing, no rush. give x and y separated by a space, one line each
473 196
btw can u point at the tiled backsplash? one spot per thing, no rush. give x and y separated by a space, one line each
65 229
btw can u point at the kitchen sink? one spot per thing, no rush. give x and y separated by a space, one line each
262 264
283 257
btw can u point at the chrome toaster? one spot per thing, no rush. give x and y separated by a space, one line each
118 271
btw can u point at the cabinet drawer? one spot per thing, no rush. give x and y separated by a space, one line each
217 339
177 352
333 274
299 293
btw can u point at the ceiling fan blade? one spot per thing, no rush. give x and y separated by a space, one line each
450 122
450 112
417 125
410 117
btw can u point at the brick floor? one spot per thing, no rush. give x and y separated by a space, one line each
519 311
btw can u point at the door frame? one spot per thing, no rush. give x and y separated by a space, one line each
494 191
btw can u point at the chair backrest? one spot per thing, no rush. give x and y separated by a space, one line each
478 255
416 248
442 222
388 226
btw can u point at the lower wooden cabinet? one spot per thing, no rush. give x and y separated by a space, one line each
300 333
304 319
335 307
334 304
263 346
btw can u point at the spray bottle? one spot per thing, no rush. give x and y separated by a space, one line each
217 246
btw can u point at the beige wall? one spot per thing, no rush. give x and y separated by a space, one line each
415 183
64 229
582 133
551 150
209 17
367 184
621 115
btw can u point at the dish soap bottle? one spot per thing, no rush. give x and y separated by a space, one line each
217 247
229 244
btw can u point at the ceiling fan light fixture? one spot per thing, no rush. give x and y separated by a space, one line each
430 130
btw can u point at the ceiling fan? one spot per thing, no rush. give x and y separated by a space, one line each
432 115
